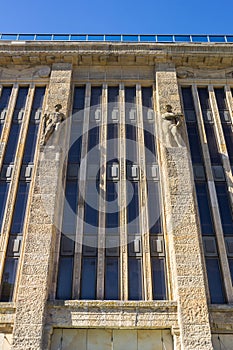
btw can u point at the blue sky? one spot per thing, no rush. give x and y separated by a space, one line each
122 16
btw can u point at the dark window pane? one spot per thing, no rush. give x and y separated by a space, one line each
88 281
131 143
147 97
227 130
149 141
96 95
79 99
93 140
4 187
135 279
204 209
131 132
158 279
20 207
112 207
5 97
112 131
111 279
65 275
91 212
70 208
154 208
21 101
12 143
133 207
195 145
74 155
30 143
215 281
15 126
220 98
187 98
130 104
113 95
112 146
231 268
204 98
8 279
130 101
224 208
212 144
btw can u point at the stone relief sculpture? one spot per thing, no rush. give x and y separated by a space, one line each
51 122
171 123
24 72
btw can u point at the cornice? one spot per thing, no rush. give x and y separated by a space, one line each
205 54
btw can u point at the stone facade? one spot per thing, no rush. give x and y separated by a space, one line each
33 320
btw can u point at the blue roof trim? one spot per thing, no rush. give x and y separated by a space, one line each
150 38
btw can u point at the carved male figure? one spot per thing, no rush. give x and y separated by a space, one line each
170 125
51 123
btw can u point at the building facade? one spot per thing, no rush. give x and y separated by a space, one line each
116 192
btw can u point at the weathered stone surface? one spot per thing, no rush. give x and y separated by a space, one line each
33 287
179 206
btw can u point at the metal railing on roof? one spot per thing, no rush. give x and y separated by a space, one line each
158 38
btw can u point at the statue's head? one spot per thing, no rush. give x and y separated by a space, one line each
168 108
58 107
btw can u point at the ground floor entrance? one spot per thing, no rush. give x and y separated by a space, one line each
108 339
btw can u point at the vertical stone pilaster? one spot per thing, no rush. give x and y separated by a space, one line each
34 282
182 230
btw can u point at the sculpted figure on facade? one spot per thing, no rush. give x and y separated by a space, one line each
171 123
51 122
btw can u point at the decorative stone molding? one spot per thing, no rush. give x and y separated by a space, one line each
20 72
112 314
209 73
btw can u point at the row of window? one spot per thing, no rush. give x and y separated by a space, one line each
108 262
83 267
203 184
16 228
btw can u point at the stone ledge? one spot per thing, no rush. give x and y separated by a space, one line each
7 315
114 305
112 314
221 308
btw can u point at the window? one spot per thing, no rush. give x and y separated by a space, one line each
93 268
4 101
212 258
20 205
